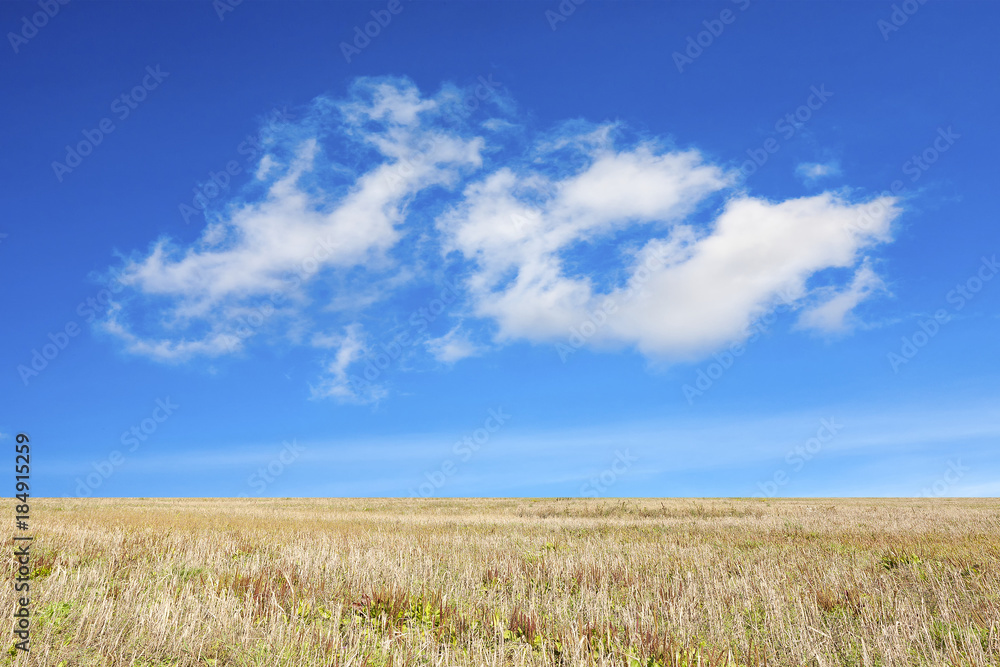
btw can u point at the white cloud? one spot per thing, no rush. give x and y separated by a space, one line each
756 254
831 315
168 349
810 172
453 346
501 228
300 229
703 285
637 243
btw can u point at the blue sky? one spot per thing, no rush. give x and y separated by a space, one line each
518 249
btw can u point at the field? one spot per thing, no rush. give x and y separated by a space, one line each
513 582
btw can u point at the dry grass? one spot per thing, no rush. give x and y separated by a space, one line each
514 582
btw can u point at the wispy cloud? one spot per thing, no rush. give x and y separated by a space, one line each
811 172
453 346
315 217
731 452
312 251
832 313
336 382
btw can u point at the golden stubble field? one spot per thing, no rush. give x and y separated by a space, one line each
513 582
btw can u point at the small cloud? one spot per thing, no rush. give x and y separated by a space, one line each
337 382
810 172
452 346
333 340
831 316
